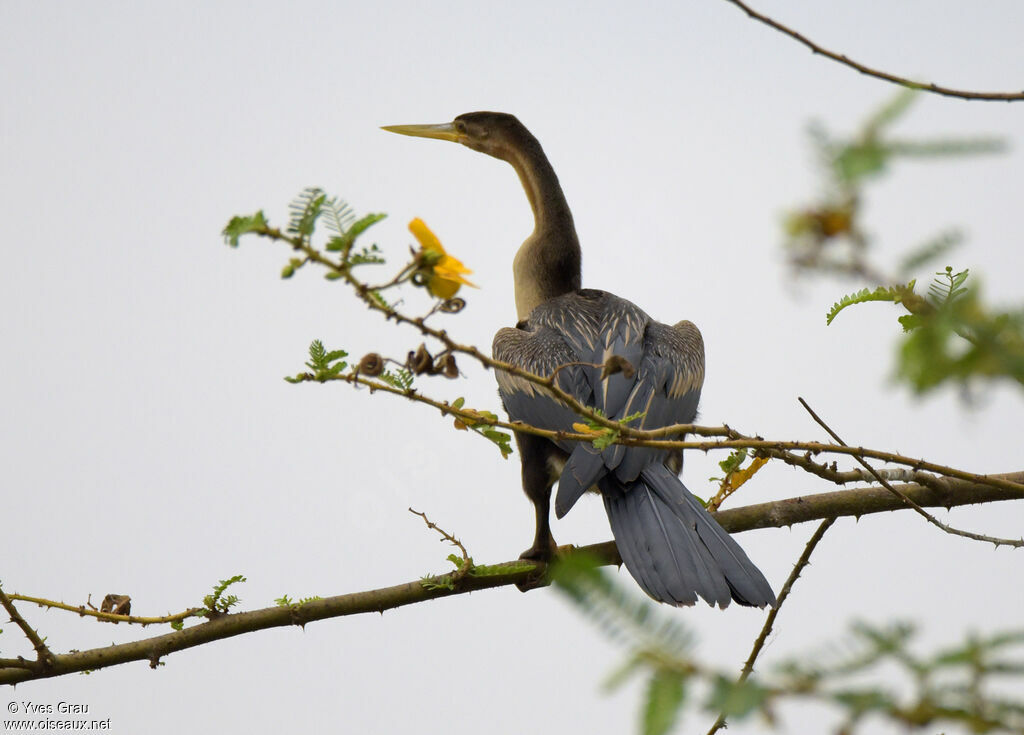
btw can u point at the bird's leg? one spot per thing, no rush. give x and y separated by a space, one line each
537 483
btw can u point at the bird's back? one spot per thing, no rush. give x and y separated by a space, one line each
578 334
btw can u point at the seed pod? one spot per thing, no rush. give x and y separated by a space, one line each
453 305
372 364
420 361
448 366
117 604
618 364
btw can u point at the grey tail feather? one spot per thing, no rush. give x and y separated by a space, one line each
673 547
583 469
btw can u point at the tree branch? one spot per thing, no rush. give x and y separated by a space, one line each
230 625
859 502
876 73
798 568
106 617
44 658
907 501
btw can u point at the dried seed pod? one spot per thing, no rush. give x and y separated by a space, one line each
448 366
372 364
117 604
618 364
453 305
420 361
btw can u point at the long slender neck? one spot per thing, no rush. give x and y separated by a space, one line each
548 262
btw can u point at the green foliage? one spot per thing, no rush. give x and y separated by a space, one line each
961 341
304 211
447 581
621 614
493 570
286 601
218 603
323 364
736 699
434 582
660 644
731 463
369 255
869 153
666 692
242 225
399 378
501 439
309 207
380 300
959 685
951 336
936 148
827 236
337 215
950 686
947 287
344 241
289 270
882 293
605 436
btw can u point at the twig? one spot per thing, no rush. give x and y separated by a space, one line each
43 654
653 438
467 562
878 74
1017 543
91 611
733 481
798 568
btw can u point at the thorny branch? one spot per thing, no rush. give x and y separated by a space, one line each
878 74
860 502
467 562
1017 543
798 568
108 617
44 658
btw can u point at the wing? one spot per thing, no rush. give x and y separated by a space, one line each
667 390
573 335
539 350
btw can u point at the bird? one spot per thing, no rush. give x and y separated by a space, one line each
670 544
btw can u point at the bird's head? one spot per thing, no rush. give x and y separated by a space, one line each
497 134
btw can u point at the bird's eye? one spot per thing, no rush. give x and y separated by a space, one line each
460 127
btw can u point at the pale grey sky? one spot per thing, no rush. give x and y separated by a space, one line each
151 447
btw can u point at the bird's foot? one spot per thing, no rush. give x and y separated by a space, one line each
542 552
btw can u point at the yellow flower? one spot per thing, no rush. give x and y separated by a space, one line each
443 273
